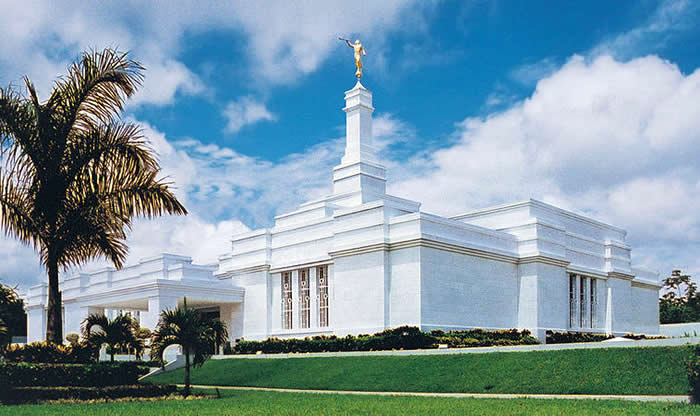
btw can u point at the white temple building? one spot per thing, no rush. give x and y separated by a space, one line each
360 261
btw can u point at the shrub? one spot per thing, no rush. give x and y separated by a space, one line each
80 375
17 395
151 363
405 337
48 352
638 337
73 338
693 366
478 337
571 337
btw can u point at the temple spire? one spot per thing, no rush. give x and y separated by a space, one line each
359 178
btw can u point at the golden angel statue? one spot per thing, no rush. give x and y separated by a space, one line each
359 51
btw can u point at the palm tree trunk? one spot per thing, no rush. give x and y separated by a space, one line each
54 324
187 371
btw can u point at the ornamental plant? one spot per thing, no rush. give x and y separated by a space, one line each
185 327
118 333
73 174
693 367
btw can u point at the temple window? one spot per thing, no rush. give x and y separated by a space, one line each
287 300
583 301
322 285
304 298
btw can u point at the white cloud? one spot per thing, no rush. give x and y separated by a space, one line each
163 80
244 111
615 140
529 73
284 40
670 18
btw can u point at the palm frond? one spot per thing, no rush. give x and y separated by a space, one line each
95 89
15 212
118 146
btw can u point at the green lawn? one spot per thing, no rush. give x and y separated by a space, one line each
264 403
658 370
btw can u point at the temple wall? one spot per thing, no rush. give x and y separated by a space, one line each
463 291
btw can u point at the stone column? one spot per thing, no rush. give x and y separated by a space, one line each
75 314
331 297
156 305
36 323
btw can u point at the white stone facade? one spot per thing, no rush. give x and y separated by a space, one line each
360 261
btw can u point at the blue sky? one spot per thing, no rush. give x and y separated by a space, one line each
592 106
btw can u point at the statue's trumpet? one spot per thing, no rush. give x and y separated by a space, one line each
347 40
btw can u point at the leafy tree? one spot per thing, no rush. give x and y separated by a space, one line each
12 311
185 327
117 333
74 173
680 302
5 338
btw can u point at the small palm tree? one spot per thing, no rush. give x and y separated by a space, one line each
116 333
197 337
73 173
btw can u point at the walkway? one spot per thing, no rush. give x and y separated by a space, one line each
643 398
614 343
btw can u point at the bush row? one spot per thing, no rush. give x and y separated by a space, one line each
481 338
398 338
571 337
693 367
642 336
48 352
80 375
17 395
405 337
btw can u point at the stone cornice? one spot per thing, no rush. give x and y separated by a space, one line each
621 275
544 260
422 242
302 265
160 285
251 269
360 250
646 284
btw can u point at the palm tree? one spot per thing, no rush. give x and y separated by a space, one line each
74 173
197 337
116 333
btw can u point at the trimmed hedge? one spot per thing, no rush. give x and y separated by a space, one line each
481 338
572 337
405 337
77 375
48 352
638 337
693 367
17 395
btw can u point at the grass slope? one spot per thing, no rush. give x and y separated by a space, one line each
266 403
658 370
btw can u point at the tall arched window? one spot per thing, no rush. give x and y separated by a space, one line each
287 300
322 285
